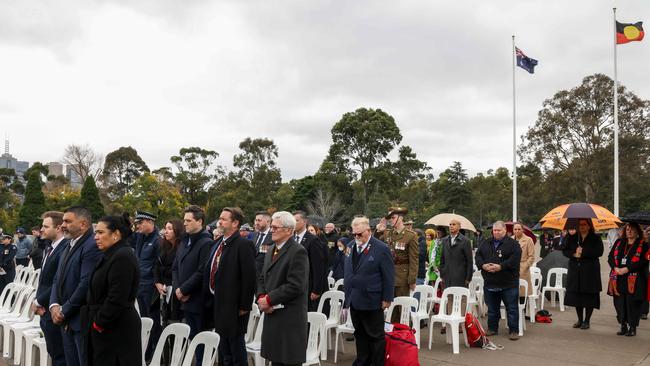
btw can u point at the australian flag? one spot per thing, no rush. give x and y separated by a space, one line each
525 62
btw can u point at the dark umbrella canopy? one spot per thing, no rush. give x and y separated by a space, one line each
554 259
642 217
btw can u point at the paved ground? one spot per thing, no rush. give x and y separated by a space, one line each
542 344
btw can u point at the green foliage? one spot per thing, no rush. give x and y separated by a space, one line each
60 197
34 204
89 198
152 194
121 168
194 174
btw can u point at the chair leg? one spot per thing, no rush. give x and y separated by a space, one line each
6 341
532 310
521 323
454 338
431 323
561 295
336 345
541 307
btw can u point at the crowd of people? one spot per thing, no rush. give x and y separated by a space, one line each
99 278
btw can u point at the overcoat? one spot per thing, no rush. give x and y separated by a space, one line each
110 307
584 272
285 280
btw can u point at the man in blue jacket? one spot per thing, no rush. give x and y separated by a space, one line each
369 286
70 285
23 246
52 233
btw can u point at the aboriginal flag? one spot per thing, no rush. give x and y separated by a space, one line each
629 32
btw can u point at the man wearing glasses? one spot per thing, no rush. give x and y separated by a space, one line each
281 289
369 286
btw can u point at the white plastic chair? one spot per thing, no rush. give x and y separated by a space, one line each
426 295
343 328
452 320
556 287
181 333
316 323
523 286
43 358
145 331
254 347
533 298
18 330
336 299
25 316
20 346
210 341
253 318
338 284
436 299
475 301
534 270
406 303
330 283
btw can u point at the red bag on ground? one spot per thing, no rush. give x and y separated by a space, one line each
475 333
401 348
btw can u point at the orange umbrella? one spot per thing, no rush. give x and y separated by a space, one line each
600 217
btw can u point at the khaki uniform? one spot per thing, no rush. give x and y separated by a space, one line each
404 247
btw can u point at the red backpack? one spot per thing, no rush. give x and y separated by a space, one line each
401 348
475 333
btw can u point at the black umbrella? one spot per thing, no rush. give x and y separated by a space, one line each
554 259
641 217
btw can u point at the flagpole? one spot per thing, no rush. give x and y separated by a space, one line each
615 124
514 137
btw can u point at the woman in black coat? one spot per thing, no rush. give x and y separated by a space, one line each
628 280
162 269
109 319
583 285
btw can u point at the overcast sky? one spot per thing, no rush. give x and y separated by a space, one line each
164 74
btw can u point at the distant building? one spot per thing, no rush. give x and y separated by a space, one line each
54 168
73 177
9 162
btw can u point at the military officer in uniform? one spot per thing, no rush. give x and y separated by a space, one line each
7 264
403 244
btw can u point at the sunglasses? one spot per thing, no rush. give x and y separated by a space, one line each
358 235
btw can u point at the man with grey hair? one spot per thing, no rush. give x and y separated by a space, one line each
498 258
281 289
369 289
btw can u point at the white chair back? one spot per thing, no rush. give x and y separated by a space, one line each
260 327
338 284
523 287
457 294
137 307
253 319
427 294
330 283
336 299
181 333
534 270
557 273
36 276
536 283
475 286
210 342
406 303
316 323
145 331
8 296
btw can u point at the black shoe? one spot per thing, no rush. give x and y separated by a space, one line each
585 325
513 336
490 332
577 324
644 316
623 330
631 332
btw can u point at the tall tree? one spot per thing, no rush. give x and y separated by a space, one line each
362 141
34 204
89 198
155 195
121 168
452 188
574 134
194 174
83 161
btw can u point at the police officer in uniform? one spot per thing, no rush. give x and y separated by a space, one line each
7 264
403 244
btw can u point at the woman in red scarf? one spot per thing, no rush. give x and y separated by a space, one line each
629 278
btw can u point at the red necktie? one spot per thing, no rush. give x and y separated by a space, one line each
215 265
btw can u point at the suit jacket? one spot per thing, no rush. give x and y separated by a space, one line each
188 259
260 253
284 280
456 262
70 285
317 263
372 280
111 294
46 278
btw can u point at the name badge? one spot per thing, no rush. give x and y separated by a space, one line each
624 261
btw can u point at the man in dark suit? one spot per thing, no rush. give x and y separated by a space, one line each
281 289
369 286
70 285
317 259
50 231
192 254
456 260
262 238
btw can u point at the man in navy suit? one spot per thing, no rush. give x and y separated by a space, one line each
369 285
50 230
70 286
317 252
191 255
